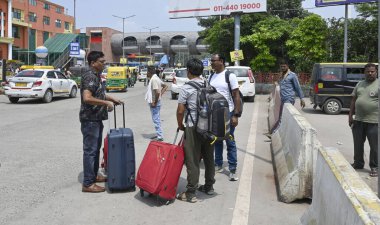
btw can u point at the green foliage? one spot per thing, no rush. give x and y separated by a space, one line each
267 38
219 37
367 10
306 42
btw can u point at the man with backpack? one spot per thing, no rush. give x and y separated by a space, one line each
196 144
226 84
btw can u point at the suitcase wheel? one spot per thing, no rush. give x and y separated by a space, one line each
142 192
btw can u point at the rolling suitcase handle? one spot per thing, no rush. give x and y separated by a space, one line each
180 143
114 114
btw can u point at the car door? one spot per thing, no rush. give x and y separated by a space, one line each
64 82
54 82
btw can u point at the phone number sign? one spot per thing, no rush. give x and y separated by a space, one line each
195 8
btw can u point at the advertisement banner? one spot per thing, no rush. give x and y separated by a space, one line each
195 8
320 3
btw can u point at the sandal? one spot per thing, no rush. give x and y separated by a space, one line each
373 172
188 197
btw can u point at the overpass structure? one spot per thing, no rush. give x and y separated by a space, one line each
170 43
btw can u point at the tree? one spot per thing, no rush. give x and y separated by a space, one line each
307 42
268 40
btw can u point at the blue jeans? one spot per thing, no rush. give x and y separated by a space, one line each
92 141
231 150
155 111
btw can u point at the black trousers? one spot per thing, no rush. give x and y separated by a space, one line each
361 131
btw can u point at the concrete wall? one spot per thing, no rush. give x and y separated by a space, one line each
340 196
293 144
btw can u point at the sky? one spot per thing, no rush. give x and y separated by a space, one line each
151 13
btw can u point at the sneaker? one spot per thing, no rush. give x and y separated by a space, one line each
208 190
219 169
158 139
188 197
233 176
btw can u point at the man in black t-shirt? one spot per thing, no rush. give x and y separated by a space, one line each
94 106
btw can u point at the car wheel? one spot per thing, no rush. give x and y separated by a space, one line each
332 106
174 96
48 96
13 99
73 92
251 98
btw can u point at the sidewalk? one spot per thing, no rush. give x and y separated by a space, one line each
265 206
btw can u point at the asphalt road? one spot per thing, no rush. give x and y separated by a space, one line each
41 170
333 131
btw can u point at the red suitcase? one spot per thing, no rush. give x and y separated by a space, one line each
160 169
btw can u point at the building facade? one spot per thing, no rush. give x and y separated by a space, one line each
35 21
6 40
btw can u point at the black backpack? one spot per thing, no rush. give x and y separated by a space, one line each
213 119
227 79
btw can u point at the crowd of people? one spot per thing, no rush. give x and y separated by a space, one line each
95 104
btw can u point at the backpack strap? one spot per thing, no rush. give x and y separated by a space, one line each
227 78
197 86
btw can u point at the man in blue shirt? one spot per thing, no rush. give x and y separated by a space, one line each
289 85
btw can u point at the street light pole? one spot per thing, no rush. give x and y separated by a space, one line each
123 18
150 40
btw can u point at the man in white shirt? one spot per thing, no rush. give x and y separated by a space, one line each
153 96
218 80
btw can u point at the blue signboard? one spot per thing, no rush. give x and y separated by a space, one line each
320 3
205 62
74 49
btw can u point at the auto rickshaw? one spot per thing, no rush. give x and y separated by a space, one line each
117 78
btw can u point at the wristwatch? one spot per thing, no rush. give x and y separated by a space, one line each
237 115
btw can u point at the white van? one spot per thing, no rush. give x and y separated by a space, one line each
246 81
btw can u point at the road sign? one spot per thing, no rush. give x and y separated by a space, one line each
123 60
196 8
236 55
74 49
205 62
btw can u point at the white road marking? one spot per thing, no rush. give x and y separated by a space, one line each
243 199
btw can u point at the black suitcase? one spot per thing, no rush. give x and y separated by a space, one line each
121 166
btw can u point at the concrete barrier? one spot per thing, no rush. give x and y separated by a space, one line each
274 108
340 196
293 146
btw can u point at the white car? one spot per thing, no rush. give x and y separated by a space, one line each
246 81
39 83
168 74
179 80
142 75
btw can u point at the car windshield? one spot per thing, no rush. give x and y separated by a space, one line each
143 70
168 71
239 72
181 73
30 73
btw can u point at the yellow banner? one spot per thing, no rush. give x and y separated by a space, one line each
123 60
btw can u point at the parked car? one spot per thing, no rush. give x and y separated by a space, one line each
39 83
246 81
179 80
142 75
168 74
331 85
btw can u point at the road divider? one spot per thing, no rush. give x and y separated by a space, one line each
274 108
293 145
340 196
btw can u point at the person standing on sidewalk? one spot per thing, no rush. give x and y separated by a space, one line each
195 144
218 80
94 106
156 88
365 107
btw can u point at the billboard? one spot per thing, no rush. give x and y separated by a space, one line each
319 3
195 8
